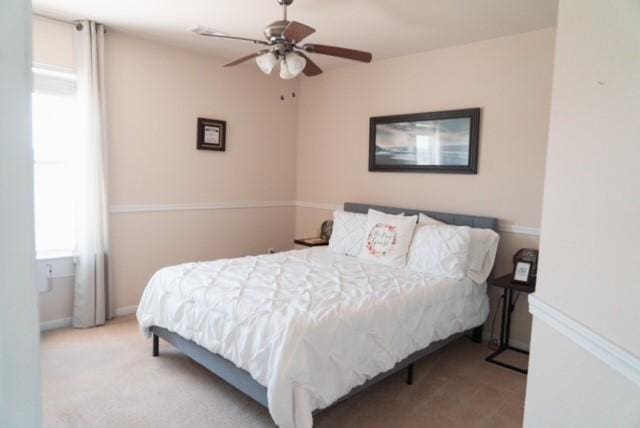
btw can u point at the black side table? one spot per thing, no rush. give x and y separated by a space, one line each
505 324
311 242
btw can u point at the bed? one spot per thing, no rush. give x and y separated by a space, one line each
301 330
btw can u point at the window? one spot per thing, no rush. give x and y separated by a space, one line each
55 126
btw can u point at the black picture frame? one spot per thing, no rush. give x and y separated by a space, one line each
470 167
212 134
528 255
528 279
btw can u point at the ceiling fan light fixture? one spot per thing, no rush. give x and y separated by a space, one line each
295 63
285 73
283 37
266 62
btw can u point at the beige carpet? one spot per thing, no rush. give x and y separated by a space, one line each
106 377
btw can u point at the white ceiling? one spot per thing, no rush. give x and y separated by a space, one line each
386 28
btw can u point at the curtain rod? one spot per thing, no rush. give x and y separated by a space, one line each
76 24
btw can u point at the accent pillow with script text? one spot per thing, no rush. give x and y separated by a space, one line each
387 238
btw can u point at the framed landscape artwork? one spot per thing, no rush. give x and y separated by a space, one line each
211 134
443 141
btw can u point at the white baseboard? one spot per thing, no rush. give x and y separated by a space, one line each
599 346
66 322
126 310
55 324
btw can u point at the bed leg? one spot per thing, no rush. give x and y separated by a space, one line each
410 374
476 335
156 341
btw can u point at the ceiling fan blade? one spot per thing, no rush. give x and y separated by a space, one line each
209 32
295 32
245 58
339 52
311 69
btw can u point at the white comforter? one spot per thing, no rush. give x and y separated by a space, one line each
309 325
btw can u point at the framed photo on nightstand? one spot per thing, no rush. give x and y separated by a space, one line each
522 272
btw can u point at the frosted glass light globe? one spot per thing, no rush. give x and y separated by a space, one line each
266 62
296 63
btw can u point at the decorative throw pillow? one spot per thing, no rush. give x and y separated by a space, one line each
482 250
440 250
348 233
387 238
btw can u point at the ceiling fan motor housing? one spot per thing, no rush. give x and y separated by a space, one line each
273 32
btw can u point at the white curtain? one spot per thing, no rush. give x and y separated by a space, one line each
91 305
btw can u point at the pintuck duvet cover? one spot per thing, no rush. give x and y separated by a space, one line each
309 325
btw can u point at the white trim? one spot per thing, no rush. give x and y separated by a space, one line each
608 352
505 228
127 310
55 324
44 256
152 208
519 230
319 205
125 209
66 322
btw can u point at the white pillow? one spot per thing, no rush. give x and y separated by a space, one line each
425 219
440 250
348 233
482 250
387 238
482 254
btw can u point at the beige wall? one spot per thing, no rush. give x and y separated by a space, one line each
592 183
57 303
509 78
53 43
569 387
590 265
155 94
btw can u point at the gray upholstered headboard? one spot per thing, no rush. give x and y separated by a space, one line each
455 219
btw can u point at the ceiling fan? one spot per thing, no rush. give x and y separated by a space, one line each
282 46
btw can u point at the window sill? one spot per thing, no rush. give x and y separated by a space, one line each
54 255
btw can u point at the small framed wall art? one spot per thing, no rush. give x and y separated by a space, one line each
212 134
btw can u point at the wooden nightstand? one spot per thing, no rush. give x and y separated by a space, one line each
509 288
311 242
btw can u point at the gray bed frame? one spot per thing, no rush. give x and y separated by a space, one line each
243 381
